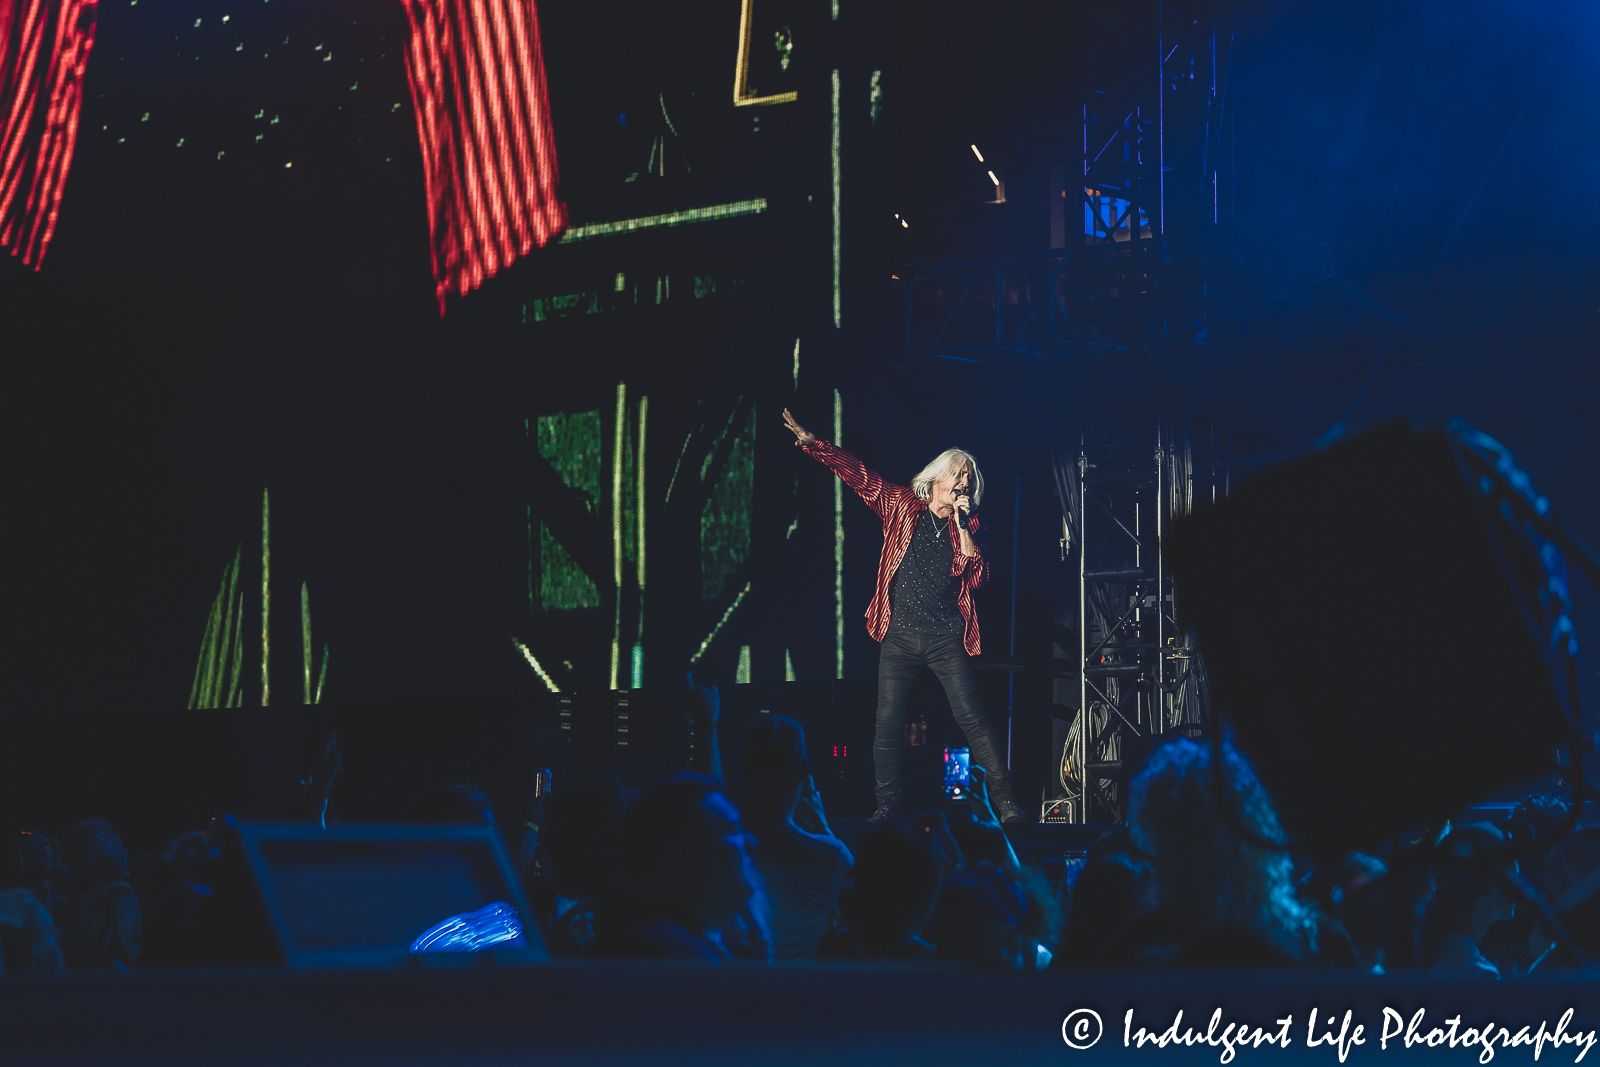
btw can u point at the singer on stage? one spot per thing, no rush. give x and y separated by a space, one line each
922 611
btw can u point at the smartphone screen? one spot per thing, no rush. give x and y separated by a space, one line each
957 761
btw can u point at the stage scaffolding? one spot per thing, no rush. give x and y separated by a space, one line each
1140 306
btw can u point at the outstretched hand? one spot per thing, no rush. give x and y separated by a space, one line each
571 931
983 811
316 786
706 707
802 436
978 795
808 813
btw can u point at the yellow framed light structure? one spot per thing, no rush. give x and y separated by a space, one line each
742 97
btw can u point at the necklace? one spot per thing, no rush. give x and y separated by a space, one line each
943 529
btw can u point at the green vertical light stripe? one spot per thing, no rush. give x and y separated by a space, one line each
836 205
305 638
208 650
208 689
838 544
322 675
229 635
619 436
266 598
741 674
235 694
221 639
788 666
639 508
200 664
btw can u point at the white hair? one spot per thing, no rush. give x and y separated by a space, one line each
944 466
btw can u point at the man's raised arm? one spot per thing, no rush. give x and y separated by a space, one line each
867 483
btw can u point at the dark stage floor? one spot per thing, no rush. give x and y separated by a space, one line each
478 1013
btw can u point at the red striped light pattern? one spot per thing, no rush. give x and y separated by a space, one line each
488 150
44 48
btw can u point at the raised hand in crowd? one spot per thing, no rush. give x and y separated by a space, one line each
983 811
808 813
705 708
316 786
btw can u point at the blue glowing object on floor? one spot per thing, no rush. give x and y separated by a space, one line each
495 926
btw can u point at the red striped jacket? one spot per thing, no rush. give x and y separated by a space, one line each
899 508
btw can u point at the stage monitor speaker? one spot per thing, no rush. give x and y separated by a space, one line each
373 895
1384 631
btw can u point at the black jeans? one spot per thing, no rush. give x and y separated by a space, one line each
898 661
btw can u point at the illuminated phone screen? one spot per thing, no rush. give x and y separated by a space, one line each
957 762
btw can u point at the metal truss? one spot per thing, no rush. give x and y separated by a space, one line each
1079 301
1149 397
989 309
1134 677
1136 304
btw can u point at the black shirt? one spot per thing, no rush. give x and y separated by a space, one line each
922 599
